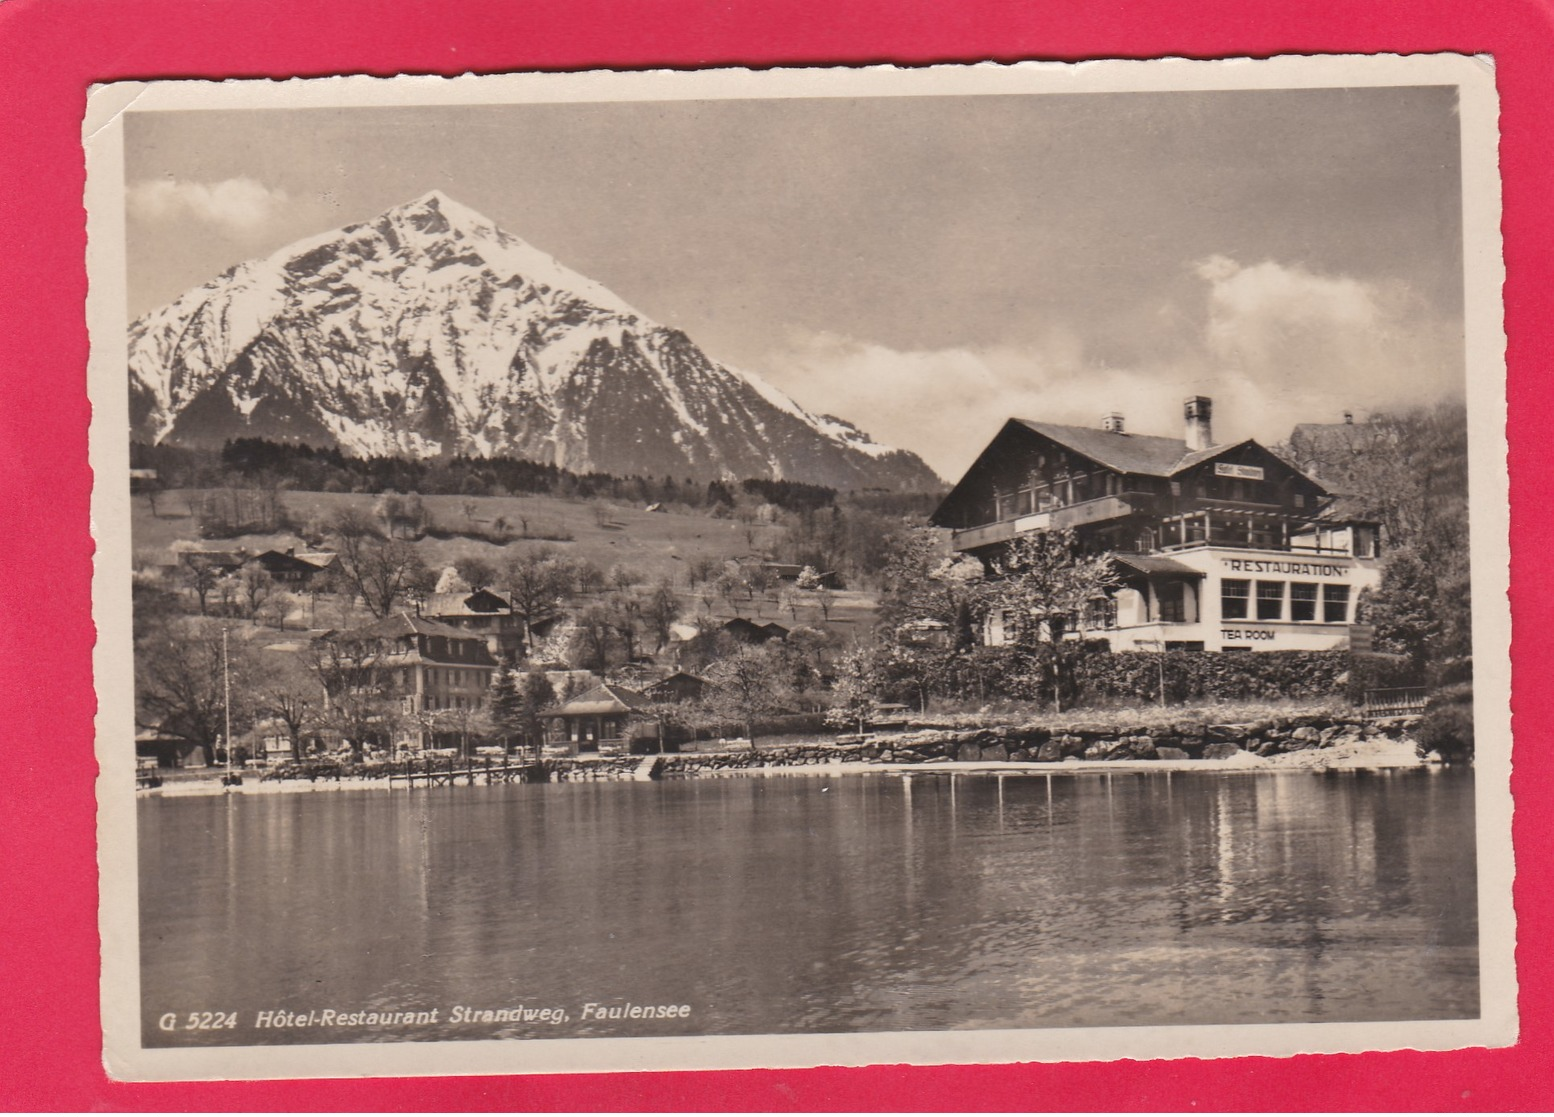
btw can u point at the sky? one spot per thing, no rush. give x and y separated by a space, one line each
925 267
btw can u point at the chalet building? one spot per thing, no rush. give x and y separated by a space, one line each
748 632
291 569
605 719
482 613
1218 546
681 686
435 675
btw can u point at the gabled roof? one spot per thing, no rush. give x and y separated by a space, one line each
675 677
403 624
1148 454
480 603
606 698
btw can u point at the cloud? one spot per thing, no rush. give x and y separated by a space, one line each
1279 345
239 207
1310 337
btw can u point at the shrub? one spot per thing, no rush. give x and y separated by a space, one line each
1447 726
1379 671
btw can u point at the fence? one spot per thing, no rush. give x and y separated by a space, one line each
1395 701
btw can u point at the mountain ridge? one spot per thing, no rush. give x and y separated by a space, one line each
430 331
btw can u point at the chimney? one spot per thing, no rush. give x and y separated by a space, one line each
1112 423
1200 429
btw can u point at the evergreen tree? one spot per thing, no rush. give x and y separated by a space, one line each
506 704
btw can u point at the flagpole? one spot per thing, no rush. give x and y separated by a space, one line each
226 690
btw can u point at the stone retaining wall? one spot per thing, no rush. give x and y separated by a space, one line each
1180 741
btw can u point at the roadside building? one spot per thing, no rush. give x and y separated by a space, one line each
1217 546
605 719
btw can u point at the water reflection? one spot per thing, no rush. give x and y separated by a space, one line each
796 904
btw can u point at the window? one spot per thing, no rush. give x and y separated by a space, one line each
1236 648
1233 595
1168 596
1364 541
1303 601
1270 601
1300 500
1184 645
1335 603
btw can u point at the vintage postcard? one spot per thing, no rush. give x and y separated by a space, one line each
617 571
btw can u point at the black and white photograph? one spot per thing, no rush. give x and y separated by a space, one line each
615 571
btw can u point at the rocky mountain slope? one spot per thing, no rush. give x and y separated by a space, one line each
430 331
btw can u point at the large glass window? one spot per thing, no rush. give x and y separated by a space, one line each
1233 596
1335 603
1270 601
1303 601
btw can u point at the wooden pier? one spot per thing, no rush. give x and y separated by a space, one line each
450 772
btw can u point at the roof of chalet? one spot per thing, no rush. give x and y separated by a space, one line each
1147 454
675 677
606 698
403 624
399 625
480 603
1154 564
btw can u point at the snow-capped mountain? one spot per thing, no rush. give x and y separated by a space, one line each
430 331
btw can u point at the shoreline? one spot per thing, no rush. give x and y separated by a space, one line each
1372 755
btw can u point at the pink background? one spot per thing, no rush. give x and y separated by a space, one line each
51 50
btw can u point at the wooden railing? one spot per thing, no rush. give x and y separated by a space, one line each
1395 701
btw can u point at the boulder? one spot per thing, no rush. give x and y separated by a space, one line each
1051 750
1099 750
1020 755
1168 752
970 752
995 752
1220 750
1138 747
1306 733
1070 745
1229 732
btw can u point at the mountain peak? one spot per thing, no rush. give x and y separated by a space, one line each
429 330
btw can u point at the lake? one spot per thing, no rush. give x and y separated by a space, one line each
808 904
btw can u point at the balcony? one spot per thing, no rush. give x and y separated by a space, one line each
1085 512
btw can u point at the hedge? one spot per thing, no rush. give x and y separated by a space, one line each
1199 676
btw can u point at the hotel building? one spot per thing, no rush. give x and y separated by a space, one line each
1216 547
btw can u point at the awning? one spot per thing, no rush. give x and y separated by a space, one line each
1153 565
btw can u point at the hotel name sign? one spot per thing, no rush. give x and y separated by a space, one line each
1244 472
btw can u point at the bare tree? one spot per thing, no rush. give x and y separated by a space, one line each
255 586
748 682
382 572
660 610
537 584
286 691
180 674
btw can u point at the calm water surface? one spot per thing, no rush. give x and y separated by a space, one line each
803 904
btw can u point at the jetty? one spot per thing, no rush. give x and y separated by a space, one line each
450 772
